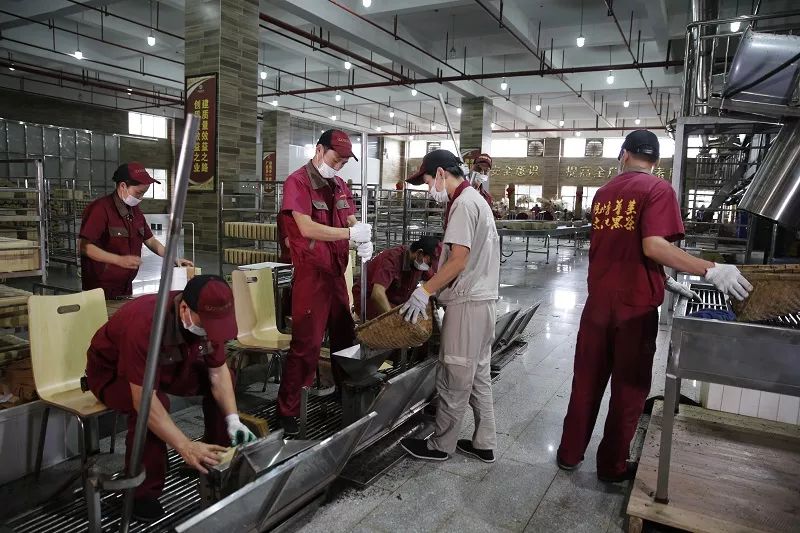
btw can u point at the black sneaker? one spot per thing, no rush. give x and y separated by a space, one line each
419 449
465 446
289 425
147 510
566 466
627 475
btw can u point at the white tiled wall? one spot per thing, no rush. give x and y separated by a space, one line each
748 402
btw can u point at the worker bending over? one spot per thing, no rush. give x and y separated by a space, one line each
320 228
466 283
199 320
113 229
394 274
636 218
479 176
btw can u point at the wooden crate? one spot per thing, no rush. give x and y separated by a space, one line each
17 255
13 349
19 376
728 473
13 307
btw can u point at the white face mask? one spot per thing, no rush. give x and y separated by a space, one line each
440 197
132 201
194 328
481 178
326 171
421 266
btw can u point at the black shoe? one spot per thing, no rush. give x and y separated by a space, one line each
289 425
465 446
566 466
627 475
147 510
419 449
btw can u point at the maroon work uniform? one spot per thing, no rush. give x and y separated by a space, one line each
114 227
394 270
617 336
319 292
485 194
116 358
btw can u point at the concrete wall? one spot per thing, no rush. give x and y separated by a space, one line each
393 160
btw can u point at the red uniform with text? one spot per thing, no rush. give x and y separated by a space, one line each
319 293
113 226
617 336
392 269
116 358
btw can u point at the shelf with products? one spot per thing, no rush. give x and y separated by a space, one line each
22 222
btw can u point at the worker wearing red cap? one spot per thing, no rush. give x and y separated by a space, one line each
112 232
394 274
479 176
320 230
636 218
199 320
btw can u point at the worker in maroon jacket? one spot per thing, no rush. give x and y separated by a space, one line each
113 230
200 319
320 226
636 218
479 176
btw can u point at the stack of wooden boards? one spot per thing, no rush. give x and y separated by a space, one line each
256 231
19 221
15 353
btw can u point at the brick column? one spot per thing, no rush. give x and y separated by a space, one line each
550 167
476 125
275 134
222 37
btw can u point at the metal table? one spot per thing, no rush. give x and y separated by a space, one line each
764 356
577 234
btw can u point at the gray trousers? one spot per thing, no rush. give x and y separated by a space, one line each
463 376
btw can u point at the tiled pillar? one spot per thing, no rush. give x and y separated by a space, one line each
476 125
275 135
550 167
222 37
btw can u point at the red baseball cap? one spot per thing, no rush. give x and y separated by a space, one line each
339 141
483 158
211 298
133 171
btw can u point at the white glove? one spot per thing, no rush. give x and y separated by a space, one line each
681 289
416 306
364 251
237 431
729 280
361 232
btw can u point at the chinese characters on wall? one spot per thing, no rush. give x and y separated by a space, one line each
201 100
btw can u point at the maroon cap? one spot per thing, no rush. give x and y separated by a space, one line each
133 171
212 299
483 158
339 141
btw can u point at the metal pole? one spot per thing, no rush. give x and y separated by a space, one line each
449 126
364 193
162 304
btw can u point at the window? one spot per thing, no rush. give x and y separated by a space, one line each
525 196
612 146
147 125
699 198
568 193
509 148
157 191
574 147
666 147
588 196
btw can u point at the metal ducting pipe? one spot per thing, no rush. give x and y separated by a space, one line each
704 10
774 192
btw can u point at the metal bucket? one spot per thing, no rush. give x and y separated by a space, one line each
775 190
758 54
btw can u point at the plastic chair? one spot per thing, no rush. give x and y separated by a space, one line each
61 328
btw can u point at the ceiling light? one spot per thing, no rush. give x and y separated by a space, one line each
348 65
11 68
366 3
130 90
78 54
377 128
516 134
538 107
637 121
561 123
413 92
263 74
735 26
503 85
494 125
391 113
151 39
410 137
434 127
458 110
610 78
274 103
338 96
577 134
333 117
580 41
626 103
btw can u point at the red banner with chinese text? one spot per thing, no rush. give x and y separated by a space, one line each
268 166
201 100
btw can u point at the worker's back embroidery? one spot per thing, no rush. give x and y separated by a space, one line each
608 218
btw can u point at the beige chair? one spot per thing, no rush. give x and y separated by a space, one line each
61 328
254 301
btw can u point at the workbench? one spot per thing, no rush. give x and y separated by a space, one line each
577 235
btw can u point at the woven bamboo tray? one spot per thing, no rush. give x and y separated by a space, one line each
390 330
776 292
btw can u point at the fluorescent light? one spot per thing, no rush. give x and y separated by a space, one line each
78 54
637 121
626 103
391 113
263 74
366 3
348 65
151 39
580 41
735 26
560 123
413 92
458 110
130 90
274 103
610 78
538 107
503 85
338 96
333 117
11 68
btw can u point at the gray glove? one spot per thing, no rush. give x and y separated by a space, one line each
681 289
729 280
416 306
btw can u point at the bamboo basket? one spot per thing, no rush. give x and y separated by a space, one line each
776 292
390 330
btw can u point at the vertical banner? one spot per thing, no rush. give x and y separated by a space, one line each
268 166
201 100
